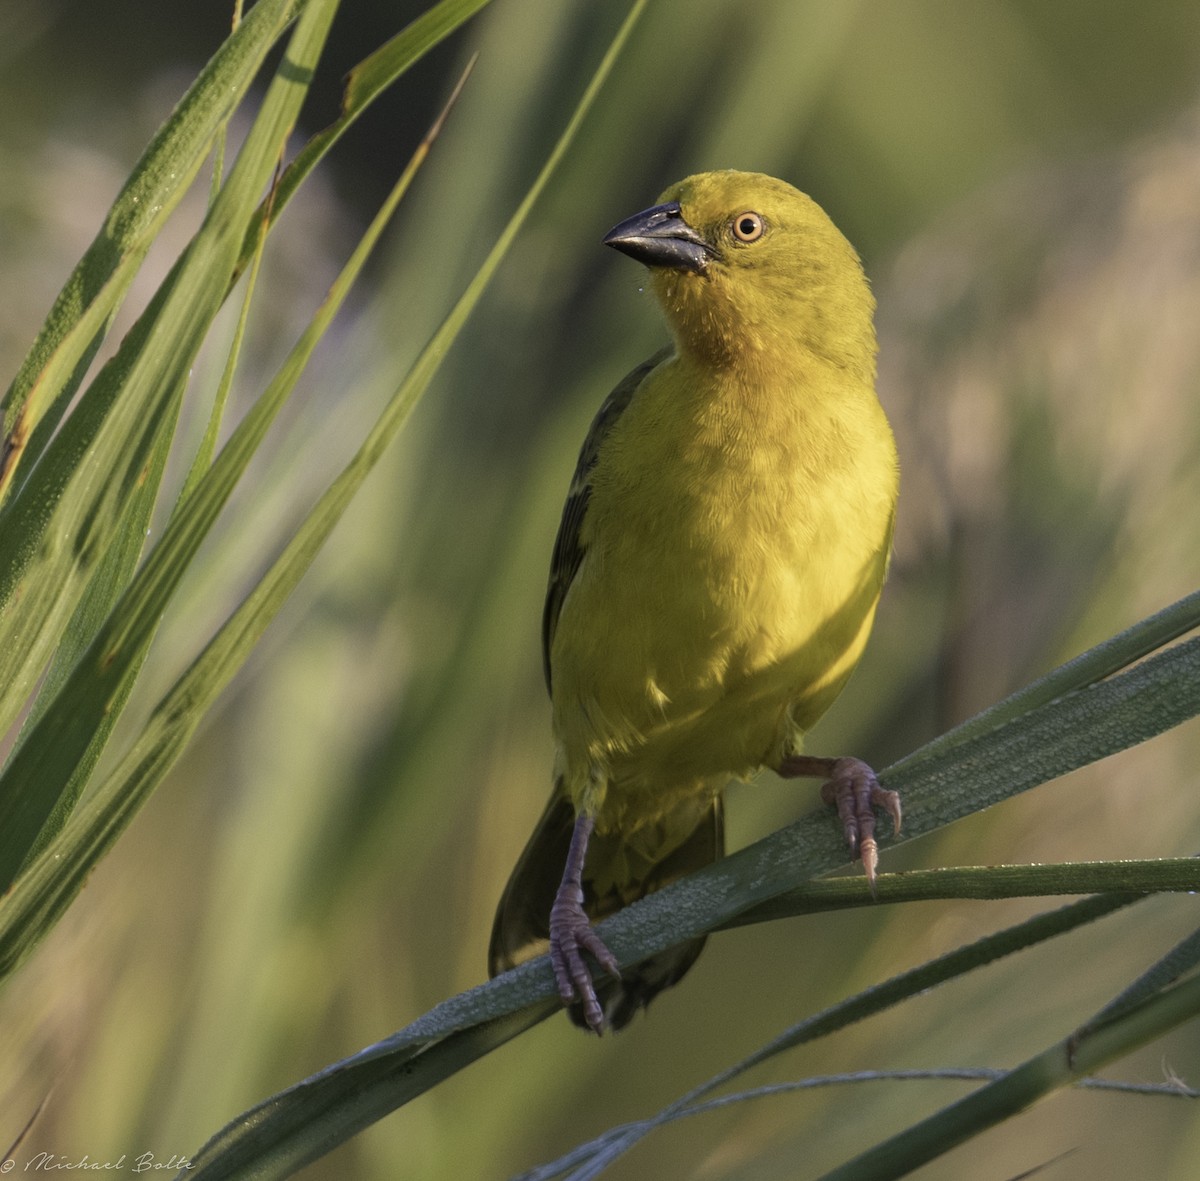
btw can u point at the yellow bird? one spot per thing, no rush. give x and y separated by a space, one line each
715 575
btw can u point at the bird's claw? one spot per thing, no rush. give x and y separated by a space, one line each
853 789
571 934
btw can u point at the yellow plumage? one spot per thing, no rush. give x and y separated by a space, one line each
721 554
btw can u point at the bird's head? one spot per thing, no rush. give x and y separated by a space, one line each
747 268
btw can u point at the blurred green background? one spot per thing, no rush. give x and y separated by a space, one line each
1023 181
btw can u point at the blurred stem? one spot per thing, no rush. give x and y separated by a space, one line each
590 1160
1066 1061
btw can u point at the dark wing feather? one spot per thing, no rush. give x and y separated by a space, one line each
568 551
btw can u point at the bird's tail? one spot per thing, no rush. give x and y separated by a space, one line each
618 871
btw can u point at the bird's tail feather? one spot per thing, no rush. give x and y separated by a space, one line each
618 871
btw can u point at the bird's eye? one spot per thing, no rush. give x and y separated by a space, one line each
748 227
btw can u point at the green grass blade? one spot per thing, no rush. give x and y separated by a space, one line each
302 1124
579 1158
1123 881
102 591
67 511
1052 740
1057 737
981 883
374 74
1183 958
55 529
208 444
56 526
1083 1052
364 84
67 342
220 140
1065 733
588 1160
45 889
1094 665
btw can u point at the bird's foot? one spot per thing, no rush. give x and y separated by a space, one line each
853 789
571 934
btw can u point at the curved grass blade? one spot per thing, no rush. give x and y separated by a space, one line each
559 1167
364 84
301 1125
113 575
589 1160
1057 737
1060 736
1094 665
273 1143
67 342
1088 1048
60 522
46 887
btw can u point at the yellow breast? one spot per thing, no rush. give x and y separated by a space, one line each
734 548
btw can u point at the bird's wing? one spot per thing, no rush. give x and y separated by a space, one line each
568 550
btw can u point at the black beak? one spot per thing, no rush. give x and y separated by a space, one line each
659 237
